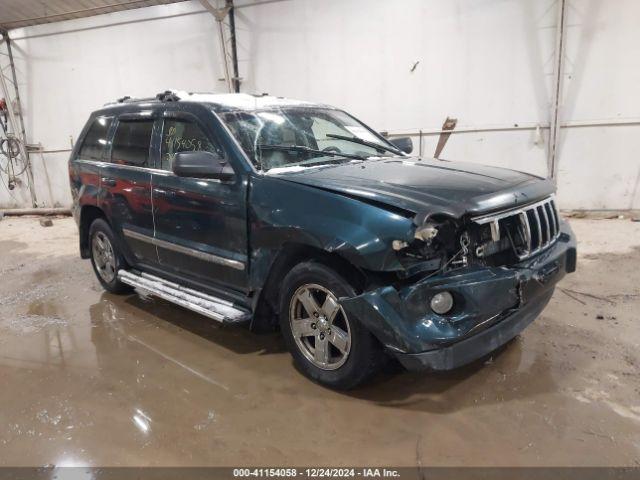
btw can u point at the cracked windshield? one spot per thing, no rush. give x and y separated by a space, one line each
304 137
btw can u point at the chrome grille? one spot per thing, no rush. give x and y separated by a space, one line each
537 226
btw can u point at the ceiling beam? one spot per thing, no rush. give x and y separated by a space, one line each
82 12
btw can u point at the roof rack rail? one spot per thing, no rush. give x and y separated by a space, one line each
167 96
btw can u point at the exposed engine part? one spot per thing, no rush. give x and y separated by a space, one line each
495 230
426 233
465 241
431 250
490 248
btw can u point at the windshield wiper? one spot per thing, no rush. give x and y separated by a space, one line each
302 148
377 146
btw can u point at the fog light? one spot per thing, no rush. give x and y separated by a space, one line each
441 303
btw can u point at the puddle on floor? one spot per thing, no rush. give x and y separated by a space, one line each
91 378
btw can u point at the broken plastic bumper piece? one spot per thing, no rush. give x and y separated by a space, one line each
491 306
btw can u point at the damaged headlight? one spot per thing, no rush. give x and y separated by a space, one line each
425 233
432 244
399 245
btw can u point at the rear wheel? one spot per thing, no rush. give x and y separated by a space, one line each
105 257
326 345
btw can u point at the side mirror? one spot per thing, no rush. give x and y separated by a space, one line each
202 164
404 144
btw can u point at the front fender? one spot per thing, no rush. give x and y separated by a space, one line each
284 212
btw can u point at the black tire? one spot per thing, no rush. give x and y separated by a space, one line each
100 229
365 353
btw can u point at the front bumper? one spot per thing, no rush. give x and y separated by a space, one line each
492 306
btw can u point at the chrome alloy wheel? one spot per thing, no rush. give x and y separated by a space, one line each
103 257
320 327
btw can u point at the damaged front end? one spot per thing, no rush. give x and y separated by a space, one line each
468 285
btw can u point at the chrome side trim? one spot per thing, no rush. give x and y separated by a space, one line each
207 257
98 163
101 163
153 171
138 236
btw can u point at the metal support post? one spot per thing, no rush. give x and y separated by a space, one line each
556 103
220 14
16 127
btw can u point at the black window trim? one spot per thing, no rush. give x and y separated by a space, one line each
83 137
143 115
243 158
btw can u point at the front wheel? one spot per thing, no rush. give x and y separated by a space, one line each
105 257
326 345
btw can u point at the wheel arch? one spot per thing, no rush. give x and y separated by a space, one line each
290 255
88 214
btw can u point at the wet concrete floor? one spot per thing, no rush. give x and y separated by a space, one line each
89 378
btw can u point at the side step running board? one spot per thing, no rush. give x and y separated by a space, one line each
207 305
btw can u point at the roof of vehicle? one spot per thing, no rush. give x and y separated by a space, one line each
221 102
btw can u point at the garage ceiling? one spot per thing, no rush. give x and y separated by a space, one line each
22 13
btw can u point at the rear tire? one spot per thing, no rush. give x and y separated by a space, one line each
106 259
327 346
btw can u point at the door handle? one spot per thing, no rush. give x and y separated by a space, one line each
109 182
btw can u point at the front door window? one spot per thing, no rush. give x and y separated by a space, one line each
181 135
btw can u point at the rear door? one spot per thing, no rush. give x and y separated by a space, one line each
126 185
200 224
85 168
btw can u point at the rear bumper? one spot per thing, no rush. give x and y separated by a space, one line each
492 306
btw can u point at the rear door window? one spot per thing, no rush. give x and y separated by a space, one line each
131 143
94 144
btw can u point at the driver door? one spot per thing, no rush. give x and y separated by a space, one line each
200 224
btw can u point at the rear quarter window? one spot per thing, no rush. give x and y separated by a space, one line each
94 144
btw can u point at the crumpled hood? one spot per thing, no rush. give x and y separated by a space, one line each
425 186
